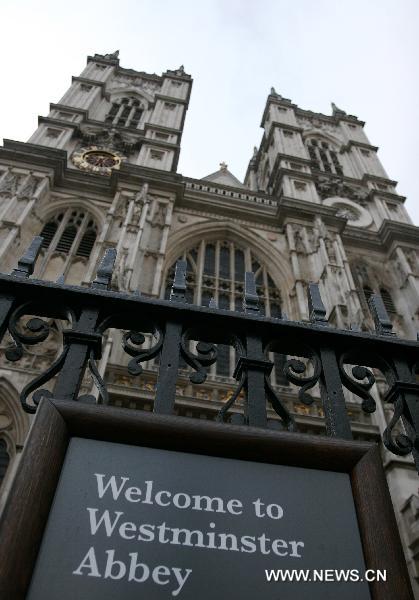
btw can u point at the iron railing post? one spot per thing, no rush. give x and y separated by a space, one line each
170 354
333 399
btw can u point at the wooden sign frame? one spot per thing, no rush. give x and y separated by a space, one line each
27 508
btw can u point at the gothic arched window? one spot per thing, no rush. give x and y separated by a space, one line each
66 228
388 301
367 283
368 292
385 296
70 233
323 156
125 112
215 270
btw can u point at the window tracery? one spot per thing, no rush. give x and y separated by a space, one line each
125 112
368 292
388 301
72 233
368 285
215 270
323 156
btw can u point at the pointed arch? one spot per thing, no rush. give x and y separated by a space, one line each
323 150
51 206
217 255
127 107
265 252
117 93
369 278
69 234
321 135
14 426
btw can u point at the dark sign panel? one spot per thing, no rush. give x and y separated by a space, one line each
142 523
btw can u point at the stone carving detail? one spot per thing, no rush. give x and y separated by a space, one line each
347 212
180 71
298 241
316 123
332 186
109 138
121 274
110 56
330 248
159 218
10 183
140 199
136 82
121 208
28 188
360 269
412 259
313 239
399 271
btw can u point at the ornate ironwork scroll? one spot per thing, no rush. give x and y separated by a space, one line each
279 407
100 385
132 342
39 328
39 332
35 384
294 370
357 384
206 355
222 414
400 444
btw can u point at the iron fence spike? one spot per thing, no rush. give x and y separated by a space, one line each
26 265
178 291
250 297
104 272
316 308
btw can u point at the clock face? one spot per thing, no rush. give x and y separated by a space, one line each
97 160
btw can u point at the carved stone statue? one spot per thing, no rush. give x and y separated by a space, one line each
334 186
111 138
159 218
412 259
299 242
112 55
330 249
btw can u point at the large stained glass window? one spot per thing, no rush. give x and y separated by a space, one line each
215 270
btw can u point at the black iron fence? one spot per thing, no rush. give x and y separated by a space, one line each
313 353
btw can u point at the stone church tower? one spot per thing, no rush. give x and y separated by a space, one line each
316 205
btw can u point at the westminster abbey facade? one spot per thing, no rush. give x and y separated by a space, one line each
316 205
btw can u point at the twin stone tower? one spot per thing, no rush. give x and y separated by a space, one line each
316 204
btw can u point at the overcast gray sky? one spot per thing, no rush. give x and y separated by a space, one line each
361 54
